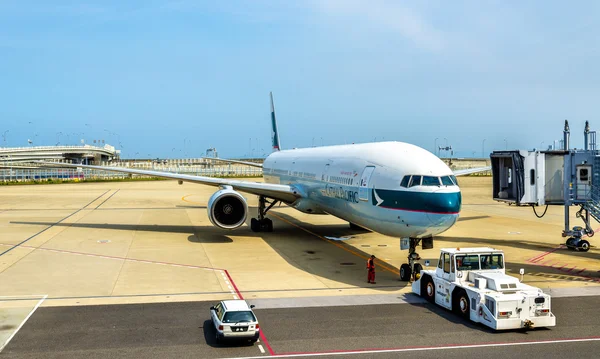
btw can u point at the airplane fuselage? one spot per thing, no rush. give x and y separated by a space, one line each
363 184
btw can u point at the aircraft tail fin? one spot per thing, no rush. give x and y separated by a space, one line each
274 132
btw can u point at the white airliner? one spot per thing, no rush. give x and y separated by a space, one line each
393 188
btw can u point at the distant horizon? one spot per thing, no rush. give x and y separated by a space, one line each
166 78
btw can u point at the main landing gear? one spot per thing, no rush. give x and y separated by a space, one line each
412 269
262 224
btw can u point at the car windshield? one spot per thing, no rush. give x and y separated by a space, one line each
239 317
467 262
492 261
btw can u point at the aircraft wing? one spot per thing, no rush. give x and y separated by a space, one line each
280 192
253 164
471 171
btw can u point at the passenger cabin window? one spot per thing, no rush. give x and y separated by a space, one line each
405 181
446 263
532 177
447 181
415 181
430 181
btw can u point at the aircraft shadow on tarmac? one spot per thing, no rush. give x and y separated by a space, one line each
301 250
327 258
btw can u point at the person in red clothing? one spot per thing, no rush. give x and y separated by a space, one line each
371 270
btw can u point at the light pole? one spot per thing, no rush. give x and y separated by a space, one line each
58 137
435 150
445 139
4 137
542 145
483 148
321 141
505 144
313 142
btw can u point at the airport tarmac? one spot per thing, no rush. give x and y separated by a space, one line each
411 330
151 242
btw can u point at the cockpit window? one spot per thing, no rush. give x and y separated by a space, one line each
454 180
447 181
430 181
415 181
405 180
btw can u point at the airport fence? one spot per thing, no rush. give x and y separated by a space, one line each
16 174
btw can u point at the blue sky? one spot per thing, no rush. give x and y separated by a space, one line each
166 78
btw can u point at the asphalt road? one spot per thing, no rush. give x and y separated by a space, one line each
182 330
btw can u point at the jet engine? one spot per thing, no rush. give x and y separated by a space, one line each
227 208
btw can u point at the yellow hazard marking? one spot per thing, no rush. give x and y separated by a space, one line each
188 201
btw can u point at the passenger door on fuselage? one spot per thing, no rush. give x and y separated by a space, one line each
364 184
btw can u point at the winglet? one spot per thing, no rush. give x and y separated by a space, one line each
274 133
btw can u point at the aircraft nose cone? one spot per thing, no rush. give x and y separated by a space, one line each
444 209
445 202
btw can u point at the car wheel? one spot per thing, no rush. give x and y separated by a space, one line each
462 304
428 290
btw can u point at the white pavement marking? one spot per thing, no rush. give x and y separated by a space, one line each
400 350
228 284
23 322
262 350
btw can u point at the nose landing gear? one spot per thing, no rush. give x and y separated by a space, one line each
412 269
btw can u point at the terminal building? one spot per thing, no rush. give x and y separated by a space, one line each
85 154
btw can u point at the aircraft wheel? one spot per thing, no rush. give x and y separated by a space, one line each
254 225
417 270
268 225
584 245
405 272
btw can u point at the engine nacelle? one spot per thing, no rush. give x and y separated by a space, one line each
227 208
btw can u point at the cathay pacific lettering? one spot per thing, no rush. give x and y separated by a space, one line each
341 193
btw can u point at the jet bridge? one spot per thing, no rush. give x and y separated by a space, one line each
565 177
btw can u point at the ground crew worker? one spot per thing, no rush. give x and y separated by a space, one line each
371 270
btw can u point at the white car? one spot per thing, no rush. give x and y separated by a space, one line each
234 319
